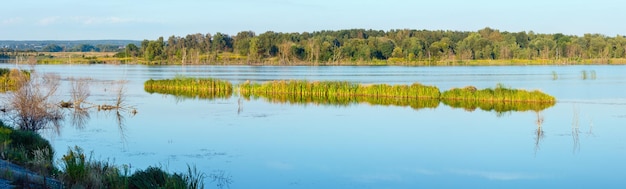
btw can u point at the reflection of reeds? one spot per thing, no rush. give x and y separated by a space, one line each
208 88
539 132
576 130
498 106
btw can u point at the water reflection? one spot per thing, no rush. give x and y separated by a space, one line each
181 95
539 135
499 107
414 103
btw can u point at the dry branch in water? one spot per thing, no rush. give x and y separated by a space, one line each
32 107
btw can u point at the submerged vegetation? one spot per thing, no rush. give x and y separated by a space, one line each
191 87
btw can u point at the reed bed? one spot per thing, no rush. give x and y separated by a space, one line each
10 79
207 88
335 89
499 94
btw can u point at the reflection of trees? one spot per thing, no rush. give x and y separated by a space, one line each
79 108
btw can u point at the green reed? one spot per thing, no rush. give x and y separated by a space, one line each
334 89
191 87
499 94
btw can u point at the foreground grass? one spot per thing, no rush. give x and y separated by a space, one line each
78 170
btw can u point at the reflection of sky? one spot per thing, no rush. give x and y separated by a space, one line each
365 146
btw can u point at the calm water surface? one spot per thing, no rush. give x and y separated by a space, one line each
259 144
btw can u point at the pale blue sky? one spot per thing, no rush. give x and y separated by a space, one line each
149 19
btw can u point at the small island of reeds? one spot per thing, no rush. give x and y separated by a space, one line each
499 94
416 95
334 89
208 88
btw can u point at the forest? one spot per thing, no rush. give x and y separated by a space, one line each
394 46
371 47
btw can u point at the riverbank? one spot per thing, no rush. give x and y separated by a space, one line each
234 59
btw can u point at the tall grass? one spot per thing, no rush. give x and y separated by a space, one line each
499 94
337 89
80 171
416 95
10 79
191 87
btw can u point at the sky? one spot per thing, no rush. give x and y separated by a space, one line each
150 19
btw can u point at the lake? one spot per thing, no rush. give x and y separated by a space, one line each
256 143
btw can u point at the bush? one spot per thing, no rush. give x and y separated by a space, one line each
26 148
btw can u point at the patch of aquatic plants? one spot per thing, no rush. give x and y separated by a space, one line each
207 88
10 79
334 89
499 94
343 93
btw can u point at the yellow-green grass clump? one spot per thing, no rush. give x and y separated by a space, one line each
335 89
208 88
499 94
10 79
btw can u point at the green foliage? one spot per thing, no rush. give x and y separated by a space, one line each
74 166
404 47
154 177
80 171
26 148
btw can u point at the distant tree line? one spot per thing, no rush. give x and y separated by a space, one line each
373 45
81 48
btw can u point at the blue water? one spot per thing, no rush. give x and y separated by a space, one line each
267 145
